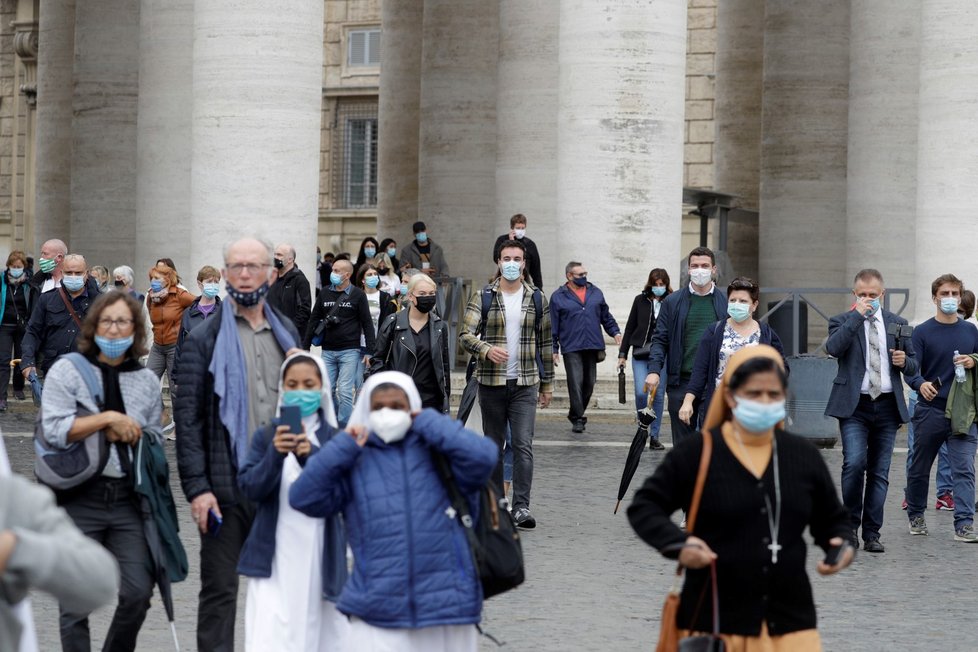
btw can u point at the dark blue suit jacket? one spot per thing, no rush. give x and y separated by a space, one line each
670 326
847 342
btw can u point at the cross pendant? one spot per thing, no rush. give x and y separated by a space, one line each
774 548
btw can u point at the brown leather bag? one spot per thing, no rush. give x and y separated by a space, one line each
668 629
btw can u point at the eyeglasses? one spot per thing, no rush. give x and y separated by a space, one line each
121 324
253 268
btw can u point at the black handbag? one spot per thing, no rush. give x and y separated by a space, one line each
494 540
707 642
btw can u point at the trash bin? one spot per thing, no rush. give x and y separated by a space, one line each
809 386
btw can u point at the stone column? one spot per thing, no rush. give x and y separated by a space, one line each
399 118
882 167
257 93
620 175
803 151
526 108
163 143
457 163
947 154
56 56
737 149
103 151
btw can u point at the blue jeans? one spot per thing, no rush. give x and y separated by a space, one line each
342 367
867 448
640 369
514 406
931 430
943 466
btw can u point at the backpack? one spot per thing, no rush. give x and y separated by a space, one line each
493 540
486 295
80 461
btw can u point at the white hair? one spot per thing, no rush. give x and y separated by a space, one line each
418 279
269 249
125 271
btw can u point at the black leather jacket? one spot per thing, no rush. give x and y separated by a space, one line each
395 349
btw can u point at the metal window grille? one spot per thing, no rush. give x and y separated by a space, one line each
363 47
355 166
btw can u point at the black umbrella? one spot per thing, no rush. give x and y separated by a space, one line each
645 418
470 393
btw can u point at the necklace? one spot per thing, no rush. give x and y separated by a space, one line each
773 516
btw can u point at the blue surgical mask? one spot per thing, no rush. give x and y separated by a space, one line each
15 272
73 283
510 270
421 237
758 417
307 400
211 289
369 252
113 347
372 281
156 285
392 251
875 305
404 289
949 305
738 311
335 278
659 290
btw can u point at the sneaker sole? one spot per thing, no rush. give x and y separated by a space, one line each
527 526
918 534
944 509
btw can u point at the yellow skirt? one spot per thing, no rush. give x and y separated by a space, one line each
806 640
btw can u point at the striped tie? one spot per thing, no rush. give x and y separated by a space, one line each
875 380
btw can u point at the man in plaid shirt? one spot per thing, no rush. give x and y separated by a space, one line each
515 357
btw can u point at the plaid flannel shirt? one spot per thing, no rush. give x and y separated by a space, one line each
494 375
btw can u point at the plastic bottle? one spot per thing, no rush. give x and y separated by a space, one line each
958 370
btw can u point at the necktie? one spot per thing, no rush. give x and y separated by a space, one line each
875 380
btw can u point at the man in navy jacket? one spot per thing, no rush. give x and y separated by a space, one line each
577 313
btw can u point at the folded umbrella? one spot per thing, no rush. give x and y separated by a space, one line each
36 388
645 418
621 385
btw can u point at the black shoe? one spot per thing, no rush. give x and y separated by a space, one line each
655 444
524 518
853 540
19 395
873 545
578 426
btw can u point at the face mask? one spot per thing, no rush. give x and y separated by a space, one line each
949 305
73 283
392 252
307 400
658 290
510 270
279 263
758 417
390 425
580 281
120 284
16 272
425 304
335 278
404 289
875 304
47 264
519 233
372 281
248 299
421 237
369 252
382 271
700 276
739 311
156 285
211 289
113 348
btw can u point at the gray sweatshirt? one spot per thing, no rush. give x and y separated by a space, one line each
51 555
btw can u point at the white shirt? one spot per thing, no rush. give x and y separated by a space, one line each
514 307
50 284
692 289
886 382
656 306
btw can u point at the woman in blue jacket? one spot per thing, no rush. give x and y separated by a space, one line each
414 585
721 340
297 564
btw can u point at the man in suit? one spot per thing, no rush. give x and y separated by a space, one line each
867 399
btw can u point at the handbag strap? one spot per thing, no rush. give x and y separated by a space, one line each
694 505
71 310
459 504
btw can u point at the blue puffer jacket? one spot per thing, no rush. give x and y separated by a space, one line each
413 567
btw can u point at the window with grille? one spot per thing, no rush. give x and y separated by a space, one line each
355 162
363 48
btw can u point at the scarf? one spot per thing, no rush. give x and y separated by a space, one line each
719 412
230 372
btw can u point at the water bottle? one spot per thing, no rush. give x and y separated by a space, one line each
958 370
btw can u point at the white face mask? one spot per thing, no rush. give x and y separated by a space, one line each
389 424
520 233
700 276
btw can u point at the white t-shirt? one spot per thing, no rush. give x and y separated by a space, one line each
514 307
373 302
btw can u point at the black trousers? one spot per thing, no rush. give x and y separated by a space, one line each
676 395
218 598
10 339
582 372
107 512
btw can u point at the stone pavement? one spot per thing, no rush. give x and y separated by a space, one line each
592 585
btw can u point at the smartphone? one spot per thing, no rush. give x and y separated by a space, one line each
291 416
834 554
213 523
936 383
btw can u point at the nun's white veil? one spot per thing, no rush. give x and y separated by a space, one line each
361 409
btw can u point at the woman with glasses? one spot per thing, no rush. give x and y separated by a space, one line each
106 508
720 341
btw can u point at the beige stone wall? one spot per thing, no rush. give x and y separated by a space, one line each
11 104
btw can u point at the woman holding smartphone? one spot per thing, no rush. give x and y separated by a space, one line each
296 564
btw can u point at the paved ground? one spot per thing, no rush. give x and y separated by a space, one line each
592 585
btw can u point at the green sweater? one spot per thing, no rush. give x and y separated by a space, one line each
701 314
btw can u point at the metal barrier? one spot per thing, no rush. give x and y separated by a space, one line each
453 295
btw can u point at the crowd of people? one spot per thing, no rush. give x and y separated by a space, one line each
277 444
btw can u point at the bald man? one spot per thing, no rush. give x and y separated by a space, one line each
49 264
290 293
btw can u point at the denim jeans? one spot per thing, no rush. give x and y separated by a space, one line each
867 448
581 368
342 367
677 393
513 406
640 369
943 481
931 430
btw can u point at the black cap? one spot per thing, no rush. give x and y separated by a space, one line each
419 227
